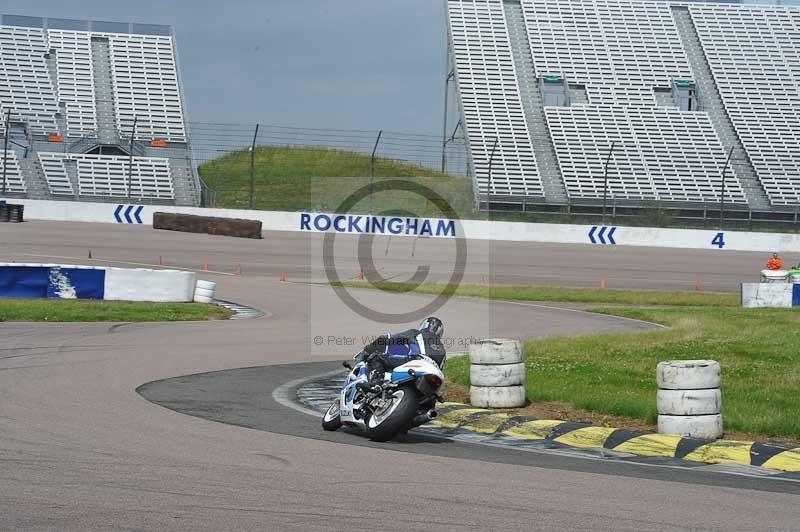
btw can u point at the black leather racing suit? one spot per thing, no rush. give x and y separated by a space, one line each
391 350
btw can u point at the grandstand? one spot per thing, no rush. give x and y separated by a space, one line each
685 92
75 90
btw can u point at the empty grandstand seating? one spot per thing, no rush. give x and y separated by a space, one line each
754 54
25 84
81 84
75 79
107 175
621 95
55 173
606 42
13 180
618 71
490 99
146 86
660 154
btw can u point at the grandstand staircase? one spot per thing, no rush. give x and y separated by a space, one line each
532 104
104 92
183 182
35 181
711 103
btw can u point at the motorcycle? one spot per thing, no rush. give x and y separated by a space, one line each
406 399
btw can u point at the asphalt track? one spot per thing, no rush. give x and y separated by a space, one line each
80 449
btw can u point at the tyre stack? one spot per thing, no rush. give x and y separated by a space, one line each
497 374
204 291
689 398
11 213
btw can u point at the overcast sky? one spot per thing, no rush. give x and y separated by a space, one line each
352 64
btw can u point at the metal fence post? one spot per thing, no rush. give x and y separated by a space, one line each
253 166
130 158
605 178
372 168
5 150
491 158
722 194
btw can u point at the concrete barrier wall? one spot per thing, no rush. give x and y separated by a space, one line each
436 228
64 281
123 284
770 295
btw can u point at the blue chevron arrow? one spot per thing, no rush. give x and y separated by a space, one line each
610 236
591 233
138 212
601 233
116 213
128 214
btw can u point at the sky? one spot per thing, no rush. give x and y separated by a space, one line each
349 64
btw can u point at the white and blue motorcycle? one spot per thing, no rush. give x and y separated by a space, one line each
406 399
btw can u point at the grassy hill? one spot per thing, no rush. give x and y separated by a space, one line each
298 178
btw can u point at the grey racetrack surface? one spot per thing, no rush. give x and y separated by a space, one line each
81 450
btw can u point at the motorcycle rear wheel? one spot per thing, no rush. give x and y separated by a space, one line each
332 419
394 418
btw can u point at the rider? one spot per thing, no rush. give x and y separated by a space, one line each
391 350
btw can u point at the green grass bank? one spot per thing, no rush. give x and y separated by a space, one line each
77 310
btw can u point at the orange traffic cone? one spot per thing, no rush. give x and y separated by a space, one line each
697 287
238 270
205 266
283 277
360 276
160 262
602 282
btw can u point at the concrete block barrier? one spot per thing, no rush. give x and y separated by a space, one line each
770 295
689 399
497 372
123 284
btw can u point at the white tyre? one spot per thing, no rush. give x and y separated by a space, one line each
702 427
497 374
209 285
497 397
688 374
204 292
689 402
203 299
496 351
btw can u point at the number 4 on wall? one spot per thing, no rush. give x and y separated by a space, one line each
719 240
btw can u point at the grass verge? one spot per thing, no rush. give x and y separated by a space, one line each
76 310
564 295
319 179
614 374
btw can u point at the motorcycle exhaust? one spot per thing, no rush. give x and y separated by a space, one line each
424 418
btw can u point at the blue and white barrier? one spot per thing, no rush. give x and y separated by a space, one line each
63 281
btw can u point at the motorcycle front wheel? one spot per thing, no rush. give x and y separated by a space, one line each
332 420
394 417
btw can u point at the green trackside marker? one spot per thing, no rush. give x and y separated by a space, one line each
683 83
552 79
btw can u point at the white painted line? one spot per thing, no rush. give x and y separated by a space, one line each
119 261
